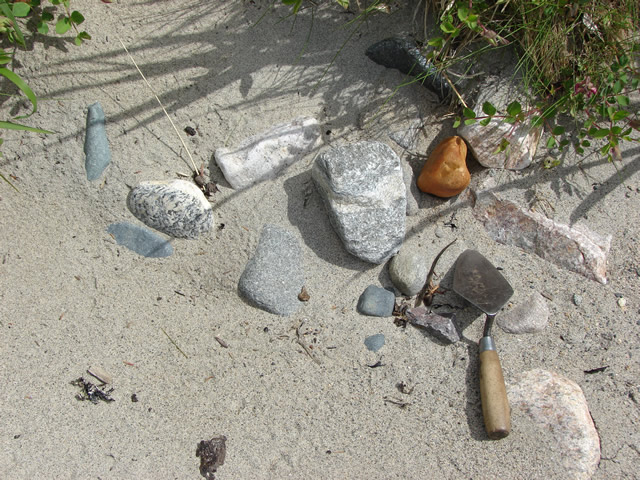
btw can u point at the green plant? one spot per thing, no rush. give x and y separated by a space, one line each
577 59
10 14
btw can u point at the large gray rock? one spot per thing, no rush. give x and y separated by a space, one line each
413 194
557 404
177 208
576 249
362 188
273 277
262 156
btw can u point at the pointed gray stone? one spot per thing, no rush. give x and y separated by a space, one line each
557 404
96 144
362 188
273 277
140 240
177 208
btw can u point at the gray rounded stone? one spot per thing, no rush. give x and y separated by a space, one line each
530 316
377 302
273 277
408 271
177 208
374 342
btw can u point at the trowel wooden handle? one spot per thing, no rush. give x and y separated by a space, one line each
493 393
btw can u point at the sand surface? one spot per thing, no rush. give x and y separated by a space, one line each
71 298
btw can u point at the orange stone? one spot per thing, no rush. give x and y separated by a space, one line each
445 173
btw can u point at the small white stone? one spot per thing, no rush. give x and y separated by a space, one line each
177 208
622 302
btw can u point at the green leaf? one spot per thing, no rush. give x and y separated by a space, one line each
76 17
598 132
617 87
586 143
579 150
557 130
463 12
484 122
43 28
447 27
46 17
510 120
536 121
619 115
634 83
616 130
551 142
488 109
514 109
343 3
468 113
456 122
21 9
437 42
17 126
564 143
470 121
63 25
7 12
623 60
504 145
610 111
81 37
22 85
622 100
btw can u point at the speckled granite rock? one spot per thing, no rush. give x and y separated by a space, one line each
96 144
362 187
177 208
273 277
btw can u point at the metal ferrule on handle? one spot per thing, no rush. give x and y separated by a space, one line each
486 343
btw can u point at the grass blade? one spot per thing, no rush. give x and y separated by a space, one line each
17 126
22 85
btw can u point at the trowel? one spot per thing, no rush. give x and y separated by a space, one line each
476 280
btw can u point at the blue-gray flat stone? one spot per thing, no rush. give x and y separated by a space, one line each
374 342
96 145
141 240
177 208
377 302
273 277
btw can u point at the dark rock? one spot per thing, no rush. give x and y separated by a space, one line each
441 326
376 302
405 56
141 240
273 277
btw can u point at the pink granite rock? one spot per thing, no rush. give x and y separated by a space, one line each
576 249
558 405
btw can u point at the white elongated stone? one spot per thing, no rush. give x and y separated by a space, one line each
576 249
362 188
262 156
177 208
557 404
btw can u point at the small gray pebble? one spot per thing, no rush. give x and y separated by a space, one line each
374 342
408 271
377 302
577 299
439 232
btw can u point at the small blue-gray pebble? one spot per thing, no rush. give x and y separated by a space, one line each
377 302
96 144
141 240
374 342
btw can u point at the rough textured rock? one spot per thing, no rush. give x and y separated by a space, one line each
273 277
140 240
485 140
441 326
177 208
374 342
412 192
262 156
530 316
96 144
405 56
407 137
558 404
376 302
362 188
445 172
576 249
408 271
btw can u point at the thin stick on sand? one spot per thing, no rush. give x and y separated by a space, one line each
195 169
